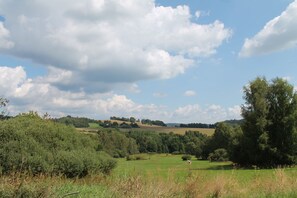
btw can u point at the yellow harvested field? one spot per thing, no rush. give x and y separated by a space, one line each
175 130
145 127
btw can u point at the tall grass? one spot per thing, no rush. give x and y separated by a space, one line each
280 183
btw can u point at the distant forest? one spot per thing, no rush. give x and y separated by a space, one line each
82 122
143 121
197 125
210 126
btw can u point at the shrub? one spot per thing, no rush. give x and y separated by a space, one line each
186 157
137 157
130 157
219 155
31 144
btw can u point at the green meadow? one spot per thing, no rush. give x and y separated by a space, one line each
160 175
165 167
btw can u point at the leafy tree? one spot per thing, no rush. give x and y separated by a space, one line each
282 122
78 122
269 126
226 136
3 104
132 119
186 157
117 144
219 155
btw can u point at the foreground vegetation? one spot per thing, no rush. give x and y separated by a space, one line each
160 176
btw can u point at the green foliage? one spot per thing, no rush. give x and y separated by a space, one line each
3 104
186 157
77 122
30 144
117 144
153 122
197 125
194 142
269 127
136 157
219 155
225 136
153 142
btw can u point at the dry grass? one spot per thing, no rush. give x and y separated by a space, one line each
199 186
22 185
278 184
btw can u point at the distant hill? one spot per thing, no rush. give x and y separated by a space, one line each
234 122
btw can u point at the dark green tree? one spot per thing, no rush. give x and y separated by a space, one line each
269 126
282 122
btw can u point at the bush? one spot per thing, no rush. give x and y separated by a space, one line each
186 157
31 144
136 157
219 155
116 144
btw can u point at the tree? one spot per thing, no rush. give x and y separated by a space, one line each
132 119
283 122
270 124
219 155
225 137
3 104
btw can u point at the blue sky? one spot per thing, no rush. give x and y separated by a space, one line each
178 61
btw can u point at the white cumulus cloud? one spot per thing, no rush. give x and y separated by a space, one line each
190 93
210 114
278 34
39 95
99 44
5 43
27 94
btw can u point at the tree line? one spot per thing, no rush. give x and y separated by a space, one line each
198 125
143 121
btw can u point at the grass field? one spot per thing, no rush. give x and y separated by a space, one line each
166 166
161 176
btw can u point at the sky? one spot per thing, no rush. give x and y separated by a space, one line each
171 60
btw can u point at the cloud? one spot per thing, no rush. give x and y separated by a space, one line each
98 44
27 94
4 38
278 34
210 114
190 93
159 95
